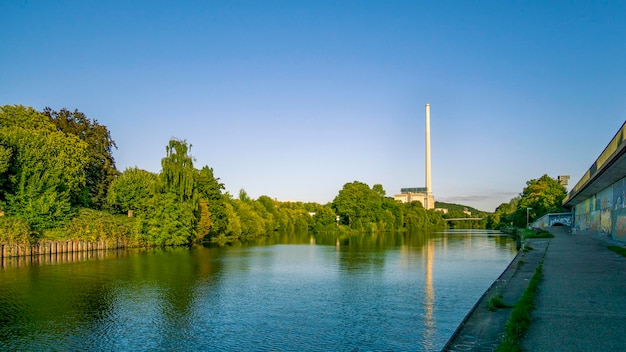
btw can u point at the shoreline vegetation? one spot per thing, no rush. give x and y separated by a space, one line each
58 182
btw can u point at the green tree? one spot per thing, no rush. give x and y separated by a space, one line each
393 210
204 219
177 171
132 190
357 205
6 156
503 215
324 218
168 221
415 216
168 209
252 225
270 212
174 213
24 117
46 167
265 208
100 170
378 188
233 225
210 189
544 195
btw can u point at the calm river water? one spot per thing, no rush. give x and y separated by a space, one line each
386 292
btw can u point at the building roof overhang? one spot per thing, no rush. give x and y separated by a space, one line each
609 168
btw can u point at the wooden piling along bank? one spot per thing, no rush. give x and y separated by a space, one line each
59 250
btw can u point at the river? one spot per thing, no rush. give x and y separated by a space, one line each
295 292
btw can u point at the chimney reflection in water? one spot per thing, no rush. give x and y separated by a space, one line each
429 292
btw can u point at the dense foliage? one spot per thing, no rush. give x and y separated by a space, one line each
368 209
540 196
58 181
100 170
43 168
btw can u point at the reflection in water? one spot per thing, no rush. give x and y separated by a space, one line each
396 292
57 258
429 294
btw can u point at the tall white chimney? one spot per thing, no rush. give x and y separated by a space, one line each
428 182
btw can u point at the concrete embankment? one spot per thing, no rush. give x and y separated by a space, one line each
482 329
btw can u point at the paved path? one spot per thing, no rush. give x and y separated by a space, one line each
482 329
581 302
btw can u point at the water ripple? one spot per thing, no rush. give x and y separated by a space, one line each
265 298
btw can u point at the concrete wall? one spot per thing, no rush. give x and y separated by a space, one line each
605 211
553 218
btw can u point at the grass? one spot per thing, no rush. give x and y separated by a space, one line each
536 234
496 302
519 321
525 234
619 250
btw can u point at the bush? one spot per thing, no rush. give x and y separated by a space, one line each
16 230
93 225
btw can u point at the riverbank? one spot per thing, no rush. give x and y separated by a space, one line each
482 329
58 251
580 304
56 247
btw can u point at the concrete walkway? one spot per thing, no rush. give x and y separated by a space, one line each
581 302
482 329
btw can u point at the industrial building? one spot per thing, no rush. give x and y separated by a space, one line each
421 194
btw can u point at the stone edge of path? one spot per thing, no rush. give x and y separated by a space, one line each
482 329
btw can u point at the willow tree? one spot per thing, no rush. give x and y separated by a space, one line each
172 216
178 173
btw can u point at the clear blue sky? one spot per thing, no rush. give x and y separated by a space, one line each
293 99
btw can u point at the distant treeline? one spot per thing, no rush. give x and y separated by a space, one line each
540 196
58 181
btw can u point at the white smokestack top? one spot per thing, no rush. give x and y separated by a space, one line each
428 182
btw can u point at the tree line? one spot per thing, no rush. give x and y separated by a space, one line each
58 181
540 196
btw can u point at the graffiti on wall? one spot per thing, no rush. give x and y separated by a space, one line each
619 224
604 211
605 220
594 221
603 207
564 219
604 199
618 194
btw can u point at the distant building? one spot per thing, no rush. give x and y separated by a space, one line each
563 180
423 195
420 194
